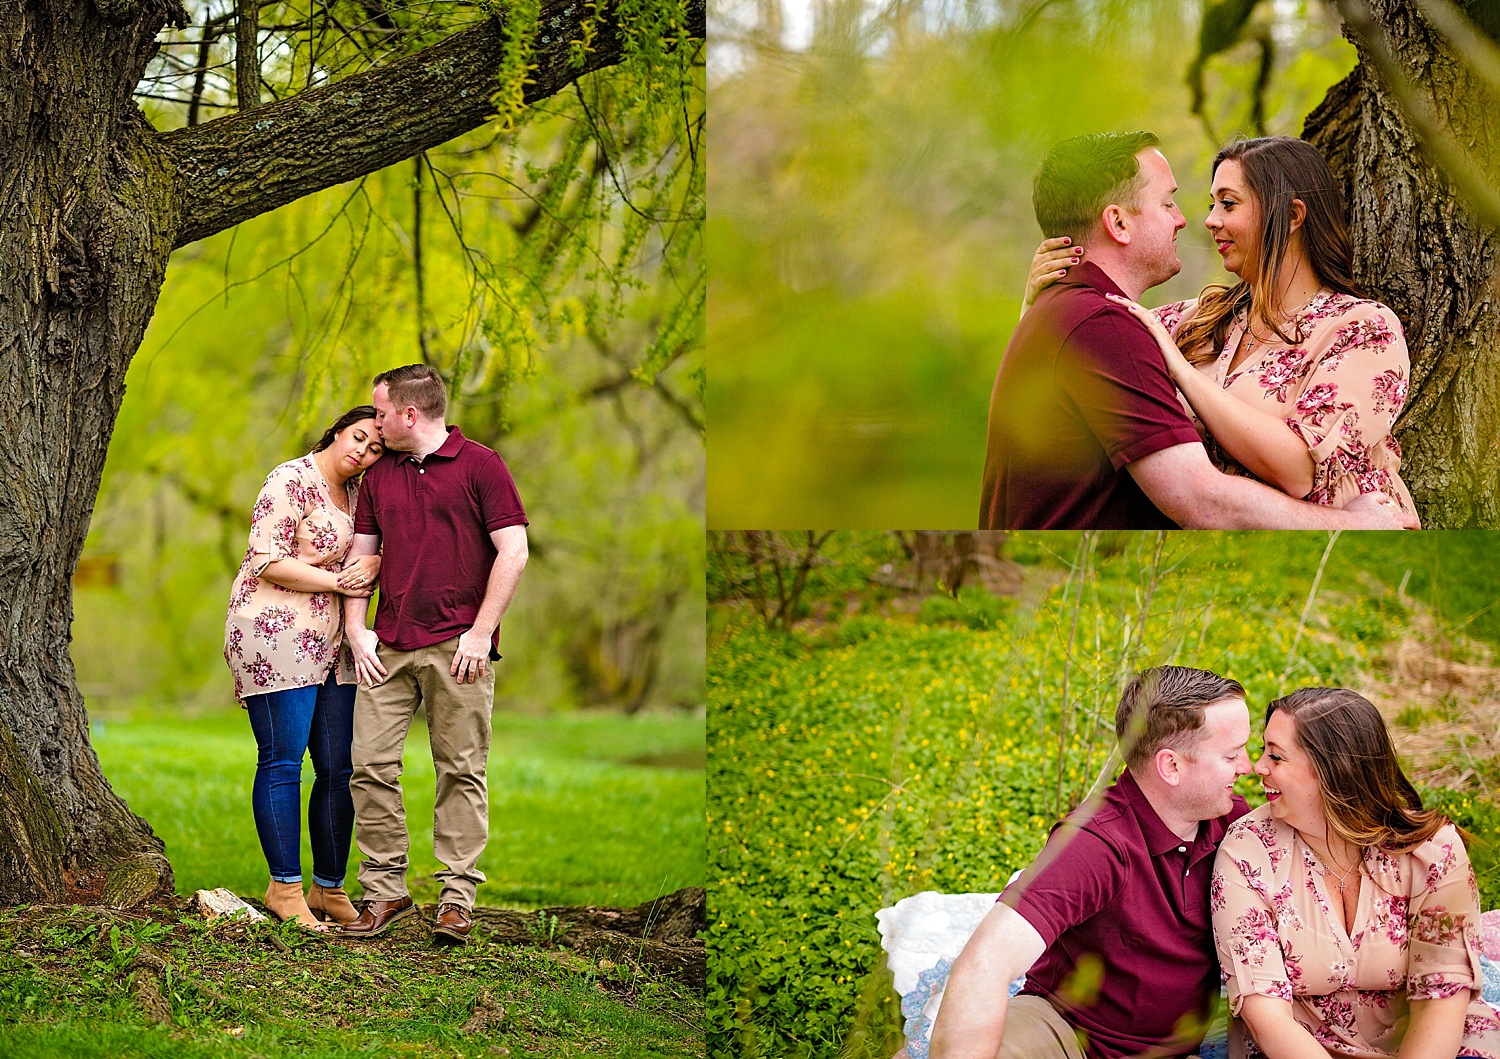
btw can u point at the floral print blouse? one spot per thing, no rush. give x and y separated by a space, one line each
1280 932
1339 389
275 638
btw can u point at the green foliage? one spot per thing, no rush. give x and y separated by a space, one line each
584 809
267 990
864 761
974 608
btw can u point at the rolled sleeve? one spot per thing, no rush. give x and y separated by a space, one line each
1245 932
1351 400
275 518
1442 920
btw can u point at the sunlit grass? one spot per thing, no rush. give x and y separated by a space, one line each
572 820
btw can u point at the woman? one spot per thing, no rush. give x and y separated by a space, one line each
1344 913
282 642
1293 344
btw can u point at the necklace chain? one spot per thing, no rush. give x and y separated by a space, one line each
1251 341
1343 877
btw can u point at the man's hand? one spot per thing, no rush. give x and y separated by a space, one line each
472 655
1380 512
367 667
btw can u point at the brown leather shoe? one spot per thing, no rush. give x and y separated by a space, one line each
376 917
453 925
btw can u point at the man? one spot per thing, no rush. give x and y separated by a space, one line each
1111 923
1085 427
447 516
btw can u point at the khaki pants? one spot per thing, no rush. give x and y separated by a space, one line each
458 723
1034 1030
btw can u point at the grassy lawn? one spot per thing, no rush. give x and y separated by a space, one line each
585 808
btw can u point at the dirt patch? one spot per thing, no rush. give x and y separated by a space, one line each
1440 696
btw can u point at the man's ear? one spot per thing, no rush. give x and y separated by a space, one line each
1115 227
1298 214
1168 768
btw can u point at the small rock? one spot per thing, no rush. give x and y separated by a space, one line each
211 904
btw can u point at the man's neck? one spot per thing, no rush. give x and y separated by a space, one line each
1179 825
1119 272
429 438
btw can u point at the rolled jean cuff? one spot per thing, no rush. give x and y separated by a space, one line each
287 878
328 884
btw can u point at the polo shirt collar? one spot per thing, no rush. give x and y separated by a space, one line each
448 449
1159 837
1088 274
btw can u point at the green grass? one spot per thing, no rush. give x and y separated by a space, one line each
572 820
66 989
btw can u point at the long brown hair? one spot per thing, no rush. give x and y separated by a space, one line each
1367 799
1277 169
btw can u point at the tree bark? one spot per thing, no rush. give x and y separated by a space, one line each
1419 249
92 202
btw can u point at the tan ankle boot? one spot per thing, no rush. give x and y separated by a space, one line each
331 903
284 900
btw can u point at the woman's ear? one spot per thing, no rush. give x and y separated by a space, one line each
1299 214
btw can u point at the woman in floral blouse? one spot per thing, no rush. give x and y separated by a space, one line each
282 642
1291 375
1345 914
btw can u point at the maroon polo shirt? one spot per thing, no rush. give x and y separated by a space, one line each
434 517
1129 899
1082 391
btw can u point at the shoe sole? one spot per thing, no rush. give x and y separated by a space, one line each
444 936
405 913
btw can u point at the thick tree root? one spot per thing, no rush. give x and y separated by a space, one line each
662 935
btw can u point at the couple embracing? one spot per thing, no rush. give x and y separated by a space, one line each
1341 915
1267 404
390 495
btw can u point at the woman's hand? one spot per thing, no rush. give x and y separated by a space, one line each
1053 259
1177 365
358 578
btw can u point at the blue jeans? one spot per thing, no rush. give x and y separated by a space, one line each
287 724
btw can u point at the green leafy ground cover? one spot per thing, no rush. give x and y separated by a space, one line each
877 754
69 987
585 808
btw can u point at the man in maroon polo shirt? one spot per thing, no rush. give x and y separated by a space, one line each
1110 924
446 516
1085 427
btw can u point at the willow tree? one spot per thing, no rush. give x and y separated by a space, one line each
96 199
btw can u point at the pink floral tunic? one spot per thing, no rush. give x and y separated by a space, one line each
1279 932
1339 389
276 638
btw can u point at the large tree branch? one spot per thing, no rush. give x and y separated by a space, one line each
243 165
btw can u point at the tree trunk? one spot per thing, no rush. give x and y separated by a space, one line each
85 233
1418 249
92 202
